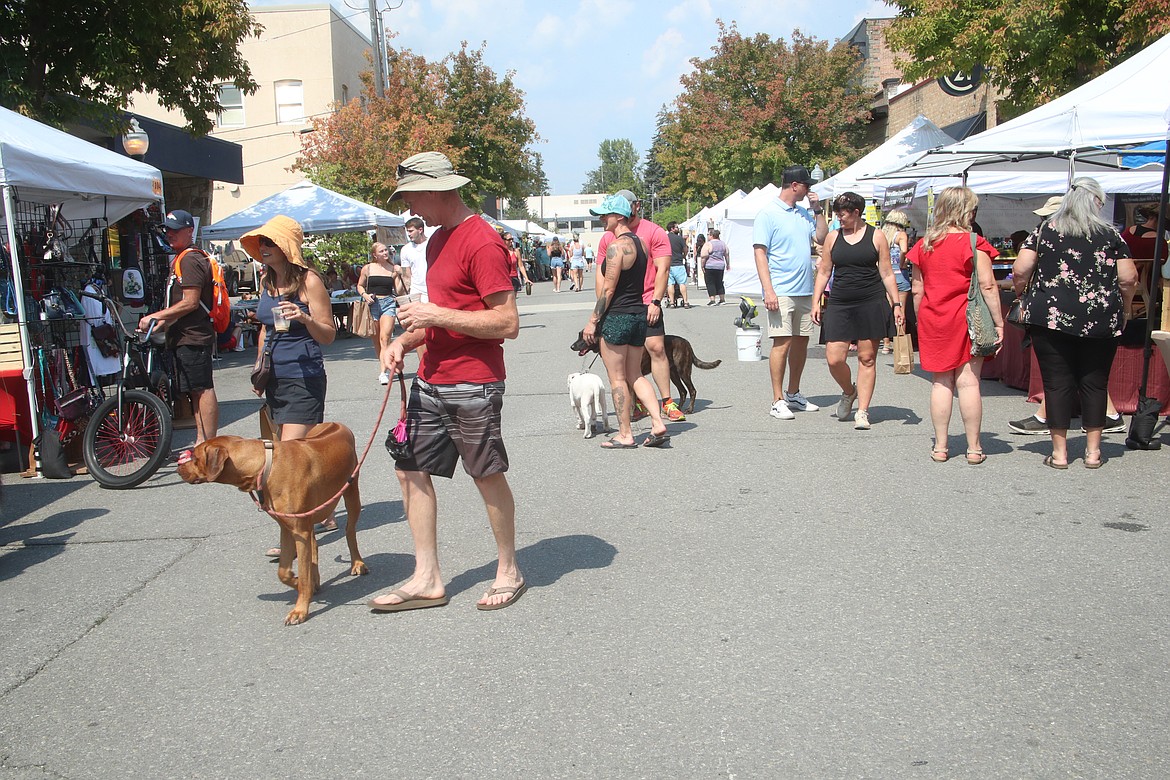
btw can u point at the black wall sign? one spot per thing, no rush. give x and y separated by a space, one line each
960 84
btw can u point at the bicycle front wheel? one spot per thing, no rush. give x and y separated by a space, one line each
124 447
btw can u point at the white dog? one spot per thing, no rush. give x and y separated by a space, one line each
587 397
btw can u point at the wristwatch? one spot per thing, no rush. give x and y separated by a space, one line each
818 212
898 305
657 302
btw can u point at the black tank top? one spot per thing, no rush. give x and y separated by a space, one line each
631 283
855 271
380 285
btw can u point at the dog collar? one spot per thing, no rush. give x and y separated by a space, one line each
259 494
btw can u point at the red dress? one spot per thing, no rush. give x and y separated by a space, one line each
943 343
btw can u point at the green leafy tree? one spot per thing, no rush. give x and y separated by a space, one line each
618 169
69 59
1033 50
758 105
457 106
653 174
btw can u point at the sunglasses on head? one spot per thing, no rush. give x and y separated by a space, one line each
405 171
266 241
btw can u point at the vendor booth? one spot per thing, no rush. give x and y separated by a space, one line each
62 199
317 209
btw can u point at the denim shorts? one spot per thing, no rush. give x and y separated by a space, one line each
383 306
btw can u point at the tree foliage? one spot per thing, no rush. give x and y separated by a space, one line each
69 59
457 106
618 170
1033 50
758 105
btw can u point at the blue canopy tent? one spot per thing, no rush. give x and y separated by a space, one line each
317 209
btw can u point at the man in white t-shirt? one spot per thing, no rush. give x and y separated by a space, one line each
413 257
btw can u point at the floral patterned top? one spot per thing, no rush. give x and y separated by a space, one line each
1074 285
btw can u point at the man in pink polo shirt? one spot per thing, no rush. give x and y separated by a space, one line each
657 275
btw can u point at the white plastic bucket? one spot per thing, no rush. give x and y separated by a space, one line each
747 344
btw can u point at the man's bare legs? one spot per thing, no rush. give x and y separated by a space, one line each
787 352
418 497
501 511
659 366
205 404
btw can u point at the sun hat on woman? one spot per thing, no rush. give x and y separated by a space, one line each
283 231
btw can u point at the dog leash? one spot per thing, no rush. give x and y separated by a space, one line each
262 477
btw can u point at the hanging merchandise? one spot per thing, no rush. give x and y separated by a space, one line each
114 247
133 285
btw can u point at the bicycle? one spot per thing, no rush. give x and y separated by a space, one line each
129 434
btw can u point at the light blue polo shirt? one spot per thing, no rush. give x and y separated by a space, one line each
785 232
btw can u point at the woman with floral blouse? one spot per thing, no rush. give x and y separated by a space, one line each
1077 282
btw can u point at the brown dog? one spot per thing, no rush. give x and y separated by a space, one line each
305 474
679 353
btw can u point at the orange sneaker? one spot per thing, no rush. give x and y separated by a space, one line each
672 412
640 412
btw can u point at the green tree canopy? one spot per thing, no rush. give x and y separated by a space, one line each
758 105
457 106
618 170
1033 50
70 59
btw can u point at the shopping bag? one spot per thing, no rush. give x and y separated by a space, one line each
903 352
360 322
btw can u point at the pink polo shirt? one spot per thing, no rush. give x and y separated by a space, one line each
657 242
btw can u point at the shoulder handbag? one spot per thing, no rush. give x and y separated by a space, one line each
980 323
76 402
262 371
398 440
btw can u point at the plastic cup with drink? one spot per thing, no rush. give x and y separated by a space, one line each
279 321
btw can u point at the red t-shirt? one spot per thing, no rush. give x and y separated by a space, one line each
657 243
465 264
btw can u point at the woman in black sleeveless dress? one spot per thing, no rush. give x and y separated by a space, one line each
864 293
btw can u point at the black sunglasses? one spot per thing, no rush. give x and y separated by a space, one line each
404 171
266 241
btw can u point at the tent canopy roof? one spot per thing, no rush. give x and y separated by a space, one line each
919 135
46 165
317 209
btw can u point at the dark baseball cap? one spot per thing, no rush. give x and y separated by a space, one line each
179 219
797 174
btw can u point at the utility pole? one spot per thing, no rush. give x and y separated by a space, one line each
379 49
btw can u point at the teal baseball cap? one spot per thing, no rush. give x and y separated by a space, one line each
613 204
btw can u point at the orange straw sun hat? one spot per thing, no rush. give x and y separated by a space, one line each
283 231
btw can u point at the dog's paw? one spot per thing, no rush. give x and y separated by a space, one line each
589 432
296 617
580 426
358 569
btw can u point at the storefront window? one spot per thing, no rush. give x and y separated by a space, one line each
290 102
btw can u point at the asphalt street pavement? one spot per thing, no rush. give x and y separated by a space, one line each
760 598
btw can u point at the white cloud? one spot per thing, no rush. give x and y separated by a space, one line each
664 49
547 30
690 12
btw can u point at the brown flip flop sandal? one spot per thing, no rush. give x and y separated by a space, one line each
516 592
409 601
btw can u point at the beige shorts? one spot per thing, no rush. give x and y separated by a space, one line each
793 318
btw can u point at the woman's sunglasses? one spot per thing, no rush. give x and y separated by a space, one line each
266 241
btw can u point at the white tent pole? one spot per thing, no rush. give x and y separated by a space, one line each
21 314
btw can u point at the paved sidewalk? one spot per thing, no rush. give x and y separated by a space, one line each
762 598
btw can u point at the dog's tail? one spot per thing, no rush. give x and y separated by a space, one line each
702 363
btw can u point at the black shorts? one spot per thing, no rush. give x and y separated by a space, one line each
658 328
447 422
297 400
193 368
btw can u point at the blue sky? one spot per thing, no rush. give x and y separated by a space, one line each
569 56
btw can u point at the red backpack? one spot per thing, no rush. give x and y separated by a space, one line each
221 305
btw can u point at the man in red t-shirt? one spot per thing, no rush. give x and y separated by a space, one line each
455 403
657 274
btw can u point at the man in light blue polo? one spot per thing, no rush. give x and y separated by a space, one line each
781 236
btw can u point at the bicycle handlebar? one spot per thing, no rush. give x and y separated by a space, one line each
135 335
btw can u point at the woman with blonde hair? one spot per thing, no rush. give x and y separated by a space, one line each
380 281
894 226
943 267
1076 281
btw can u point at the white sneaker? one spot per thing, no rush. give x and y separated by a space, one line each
845 405
861 420
384 378
781 411
798 402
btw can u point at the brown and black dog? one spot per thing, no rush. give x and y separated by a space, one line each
305 474
679 354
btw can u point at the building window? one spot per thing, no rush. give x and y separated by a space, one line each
231 106
344 94
290 102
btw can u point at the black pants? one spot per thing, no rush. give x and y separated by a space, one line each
1073 367
714 279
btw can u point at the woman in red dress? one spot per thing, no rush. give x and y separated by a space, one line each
943 266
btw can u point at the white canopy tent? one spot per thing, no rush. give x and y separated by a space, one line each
1120 108
919 135
698 223
319 210
524 226
40 164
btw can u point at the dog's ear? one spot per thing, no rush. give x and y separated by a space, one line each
214 457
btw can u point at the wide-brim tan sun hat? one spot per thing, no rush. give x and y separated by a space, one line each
1050 206
427 172
283 231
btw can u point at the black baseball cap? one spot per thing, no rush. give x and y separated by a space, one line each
797 174
179 219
